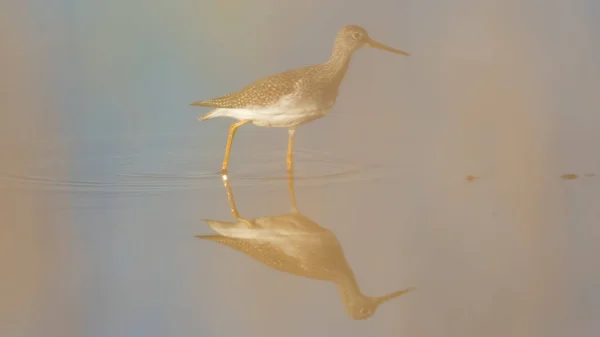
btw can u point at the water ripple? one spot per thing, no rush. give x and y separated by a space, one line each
181 171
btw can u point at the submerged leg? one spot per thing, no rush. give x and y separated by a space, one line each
289 158
232 130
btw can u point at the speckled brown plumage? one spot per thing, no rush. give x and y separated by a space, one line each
313 84
292 98
317 83
259 94
312 251
263 252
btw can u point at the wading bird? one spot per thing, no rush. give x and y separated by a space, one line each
292 98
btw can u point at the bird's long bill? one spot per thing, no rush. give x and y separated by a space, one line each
393 295
381 46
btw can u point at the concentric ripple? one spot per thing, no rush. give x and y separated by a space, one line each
159 172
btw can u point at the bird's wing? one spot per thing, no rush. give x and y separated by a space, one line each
295 222
239 244
262 93
263 251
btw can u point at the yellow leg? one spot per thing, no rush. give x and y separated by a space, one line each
292 190
232 130
289 158
232 206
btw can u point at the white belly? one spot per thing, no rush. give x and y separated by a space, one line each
285 114
274 117
289 118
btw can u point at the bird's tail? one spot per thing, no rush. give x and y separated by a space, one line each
209 115
206 103
205 117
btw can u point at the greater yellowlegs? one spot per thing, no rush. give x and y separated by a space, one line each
295 244
292 98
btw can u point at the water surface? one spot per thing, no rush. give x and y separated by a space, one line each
444 171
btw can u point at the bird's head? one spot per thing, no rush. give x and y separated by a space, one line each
363 307
353 37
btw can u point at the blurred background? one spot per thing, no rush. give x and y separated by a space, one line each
466 170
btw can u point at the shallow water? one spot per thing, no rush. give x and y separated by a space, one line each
484 259
468 170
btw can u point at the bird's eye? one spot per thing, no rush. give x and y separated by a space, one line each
365 311
356 35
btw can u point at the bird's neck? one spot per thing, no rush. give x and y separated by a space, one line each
348 288
338 62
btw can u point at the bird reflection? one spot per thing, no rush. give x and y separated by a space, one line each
295 244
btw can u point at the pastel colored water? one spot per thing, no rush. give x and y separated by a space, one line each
468 170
